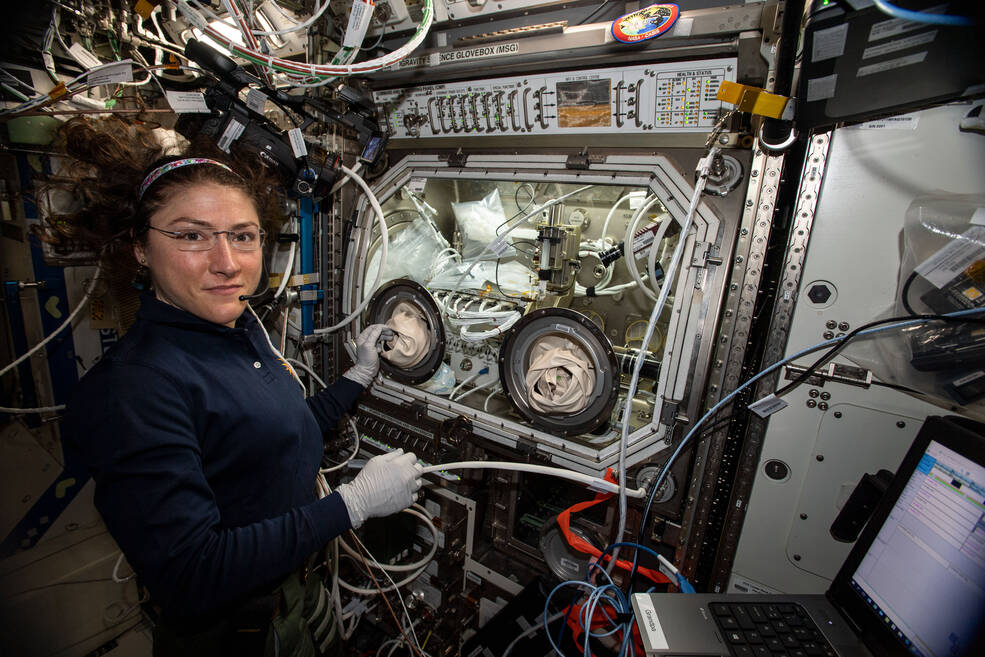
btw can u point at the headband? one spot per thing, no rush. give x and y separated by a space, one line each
164 168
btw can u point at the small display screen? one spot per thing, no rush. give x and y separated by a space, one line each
584 104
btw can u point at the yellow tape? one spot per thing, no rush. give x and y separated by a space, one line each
58 91
752 100
144 8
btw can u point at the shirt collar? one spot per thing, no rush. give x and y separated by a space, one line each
154 310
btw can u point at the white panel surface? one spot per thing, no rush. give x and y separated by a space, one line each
873 173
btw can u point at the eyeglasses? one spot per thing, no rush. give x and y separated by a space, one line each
249 239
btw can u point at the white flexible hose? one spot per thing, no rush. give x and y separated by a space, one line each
703 168
628 254
581 478
384 240
66 323
419 512
355 449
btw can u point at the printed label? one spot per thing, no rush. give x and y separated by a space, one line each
648 622
906 122
232 132
256 100
188 102
416 185
821 88
899 44
297 142
948 263
898 26
49 61
768 405
899 62
83 56
359 17
829 43
111 74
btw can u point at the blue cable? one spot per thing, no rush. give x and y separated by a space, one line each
728 398
922 17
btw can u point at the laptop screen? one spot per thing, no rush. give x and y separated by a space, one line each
924 574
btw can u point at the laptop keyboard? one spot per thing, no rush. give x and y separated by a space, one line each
765 630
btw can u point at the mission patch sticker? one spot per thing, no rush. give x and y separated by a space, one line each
645 23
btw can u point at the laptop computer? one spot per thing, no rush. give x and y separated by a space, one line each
913 584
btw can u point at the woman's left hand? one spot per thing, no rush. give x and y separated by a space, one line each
368 345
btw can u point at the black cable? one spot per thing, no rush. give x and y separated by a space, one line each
803 377
592 15
833 351
905 294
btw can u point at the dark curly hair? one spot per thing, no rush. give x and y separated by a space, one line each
107 161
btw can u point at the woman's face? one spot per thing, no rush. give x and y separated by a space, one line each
207 284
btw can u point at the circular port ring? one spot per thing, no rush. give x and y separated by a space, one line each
514 359
380 310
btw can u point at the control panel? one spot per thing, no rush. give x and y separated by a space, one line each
665 97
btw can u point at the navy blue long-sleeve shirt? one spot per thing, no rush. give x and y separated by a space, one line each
204 454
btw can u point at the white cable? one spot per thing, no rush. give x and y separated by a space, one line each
612 211
481 386
297 27
628 254
479 336
288 270
595 483
116 571
420 513
395 588
465 382
31 411
485 405
355 449
307 69
384 237
274 349
651 260
306 368
532 630
66 323
704 167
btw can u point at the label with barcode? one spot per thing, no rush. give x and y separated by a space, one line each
111 74
355 32
768 405
232 132
188 102
255 100
950 261
297 142
499 245
417 185
83 56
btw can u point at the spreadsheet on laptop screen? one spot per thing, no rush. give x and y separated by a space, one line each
925 572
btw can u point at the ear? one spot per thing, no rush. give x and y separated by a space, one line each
140 253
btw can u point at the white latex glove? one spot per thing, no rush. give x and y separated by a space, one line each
368 345
387 484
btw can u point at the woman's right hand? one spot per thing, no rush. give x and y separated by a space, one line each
387 484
